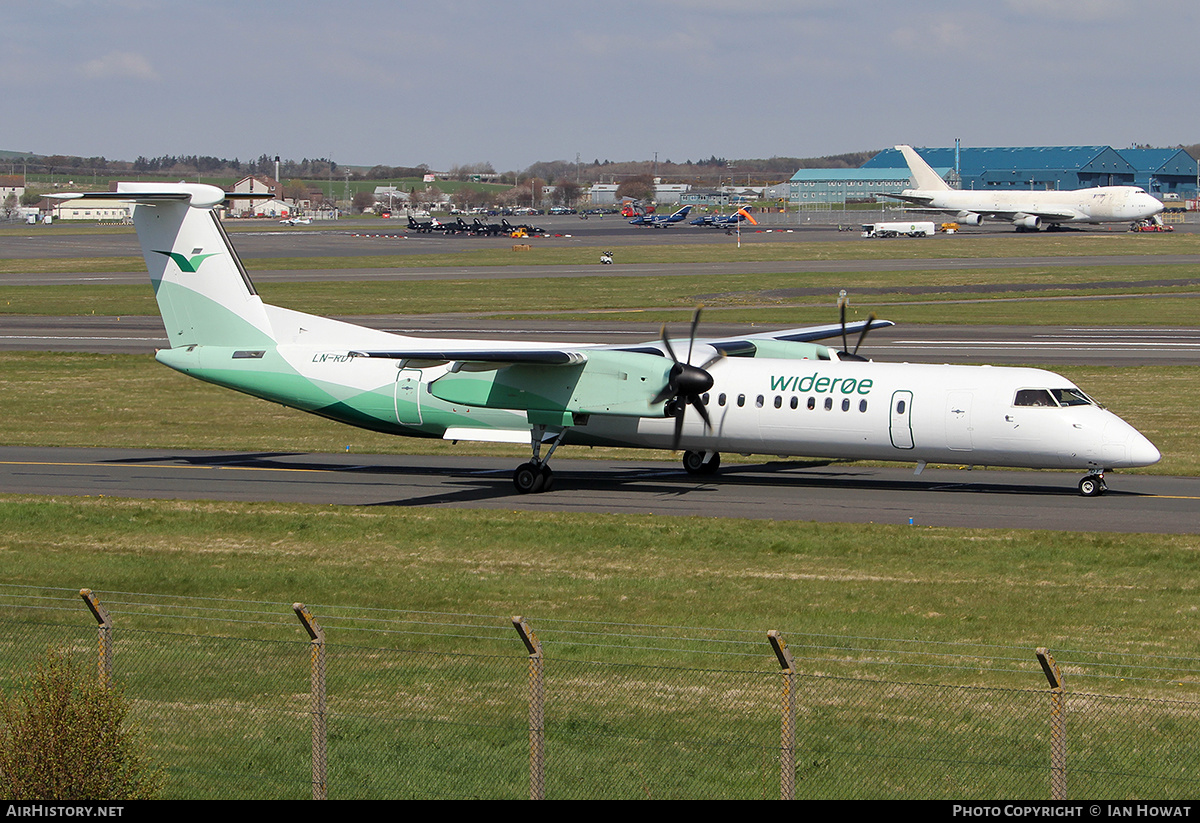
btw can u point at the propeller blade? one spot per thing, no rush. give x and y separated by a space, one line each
842 316
685 382
667 342
692 333
862 335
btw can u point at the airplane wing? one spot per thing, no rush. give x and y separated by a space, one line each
808 334
494 358
1049 215
498 357
919 200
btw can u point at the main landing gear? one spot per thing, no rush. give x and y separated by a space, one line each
1093 485
701 463
536 475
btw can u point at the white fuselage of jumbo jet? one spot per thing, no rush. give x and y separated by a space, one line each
1107 204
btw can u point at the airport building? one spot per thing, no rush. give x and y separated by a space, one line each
824 186
1165 171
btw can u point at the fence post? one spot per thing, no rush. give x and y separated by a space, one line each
537 698
317 676
1058 726
787 734
105 624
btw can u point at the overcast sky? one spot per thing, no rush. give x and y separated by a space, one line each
512 82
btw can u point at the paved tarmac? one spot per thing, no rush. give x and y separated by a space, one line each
775 490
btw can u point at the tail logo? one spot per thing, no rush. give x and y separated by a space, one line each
186 264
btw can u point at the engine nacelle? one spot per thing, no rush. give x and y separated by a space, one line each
969 218
1027 221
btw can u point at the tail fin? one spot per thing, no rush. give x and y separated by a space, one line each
203 292
923 175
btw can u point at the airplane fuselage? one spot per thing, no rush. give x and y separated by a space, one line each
979 415
1107 204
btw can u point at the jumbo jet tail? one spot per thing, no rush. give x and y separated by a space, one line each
203 292
924 176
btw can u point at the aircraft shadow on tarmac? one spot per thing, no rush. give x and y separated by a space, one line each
467 487
472 484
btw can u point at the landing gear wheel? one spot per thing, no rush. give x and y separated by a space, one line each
528 478
547 478
1092 485
693 463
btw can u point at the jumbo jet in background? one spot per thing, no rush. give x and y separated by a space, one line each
777 393
1027 210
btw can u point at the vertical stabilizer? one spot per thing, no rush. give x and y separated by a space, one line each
203 292
924 177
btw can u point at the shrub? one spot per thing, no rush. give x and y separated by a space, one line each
66 737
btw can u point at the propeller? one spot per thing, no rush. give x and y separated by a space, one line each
844 301
686 383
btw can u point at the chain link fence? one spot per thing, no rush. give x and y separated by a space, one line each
242 699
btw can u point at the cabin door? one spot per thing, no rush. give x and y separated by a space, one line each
408 397
901 419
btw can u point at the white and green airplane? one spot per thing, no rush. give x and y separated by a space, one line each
777 393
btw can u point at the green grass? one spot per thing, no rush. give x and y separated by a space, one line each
1115 296
637 705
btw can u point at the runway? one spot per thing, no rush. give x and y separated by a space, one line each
774 490
909 343
791 491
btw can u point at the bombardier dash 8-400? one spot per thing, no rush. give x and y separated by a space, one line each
777 393
1027 210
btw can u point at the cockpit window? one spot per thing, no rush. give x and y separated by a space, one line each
1052 398
1034 397
1071 397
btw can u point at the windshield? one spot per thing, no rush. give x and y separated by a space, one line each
1071 397
1050 398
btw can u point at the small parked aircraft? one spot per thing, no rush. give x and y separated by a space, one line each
660 221
778 393
725 221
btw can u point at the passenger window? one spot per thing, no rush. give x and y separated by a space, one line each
900 407
795 402
721 399
828 404
812 403
741 400
778 402
758 402
862 405
1034 397
846 404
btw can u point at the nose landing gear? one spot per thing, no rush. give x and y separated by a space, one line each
1093 485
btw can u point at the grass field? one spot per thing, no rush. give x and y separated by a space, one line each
848 597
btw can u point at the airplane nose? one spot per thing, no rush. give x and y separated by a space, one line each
1126 447
1142 452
